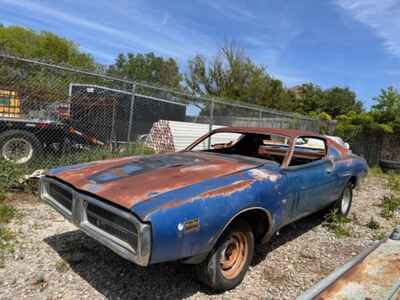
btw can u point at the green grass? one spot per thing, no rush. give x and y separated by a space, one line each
5 237
375 172
394 182
7 212
389 205
337 224
6 244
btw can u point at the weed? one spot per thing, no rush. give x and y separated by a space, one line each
5 238
10 176
379 235
375 172
7 212
372 224
337 224
394 182
389 205
61 266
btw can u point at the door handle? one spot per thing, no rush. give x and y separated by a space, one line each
331 166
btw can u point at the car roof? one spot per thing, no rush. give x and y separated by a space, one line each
277 131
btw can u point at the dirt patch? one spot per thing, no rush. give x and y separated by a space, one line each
53 260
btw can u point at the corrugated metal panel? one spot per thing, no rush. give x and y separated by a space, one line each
185 133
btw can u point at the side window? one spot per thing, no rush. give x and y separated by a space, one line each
218 140
333 153
307 150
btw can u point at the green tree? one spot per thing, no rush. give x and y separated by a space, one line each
148 68
309 98
338 101
45 46
233 76
387 107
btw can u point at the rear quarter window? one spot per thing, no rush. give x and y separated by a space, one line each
333 153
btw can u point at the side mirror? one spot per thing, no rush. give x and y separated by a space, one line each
347 146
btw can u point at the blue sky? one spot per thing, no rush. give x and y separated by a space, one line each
353 43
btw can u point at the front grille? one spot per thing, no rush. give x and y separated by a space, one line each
62 196
113 224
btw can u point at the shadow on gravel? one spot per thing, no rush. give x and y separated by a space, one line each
287 234
117 278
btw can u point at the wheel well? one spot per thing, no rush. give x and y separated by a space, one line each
353 181
258 220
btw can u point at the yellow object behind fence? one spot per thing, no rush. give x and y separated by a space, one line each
10 104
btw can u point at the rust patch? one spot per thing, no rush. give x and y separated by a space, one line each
371 278
263 175
127 190
228 190
222 191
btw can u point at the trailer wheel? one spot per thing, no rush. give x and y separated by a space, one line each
19 146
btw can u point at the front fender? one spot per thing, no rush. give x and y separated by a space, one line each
191 224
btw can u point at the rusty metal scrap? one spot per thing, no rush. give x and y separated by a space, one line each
372 275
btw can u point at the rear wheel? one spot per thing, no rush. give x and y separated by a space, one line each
228 262
19 146
343 205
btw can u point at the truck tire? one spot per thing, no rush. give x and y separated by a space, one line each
228 262
389 165
19 146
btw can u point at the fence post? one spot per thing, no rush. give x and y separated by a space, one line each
131 113
260 118
113 134
211 121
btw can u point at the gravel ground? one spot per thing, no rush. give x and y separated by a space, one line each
53 260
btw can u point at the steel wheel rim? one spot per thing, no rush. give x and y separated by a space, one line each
345 201
17 150
234 255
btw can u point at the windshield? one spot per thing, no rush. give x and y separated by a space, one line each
261 146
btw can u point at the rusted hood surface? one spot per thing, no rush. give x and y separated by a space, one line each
128 181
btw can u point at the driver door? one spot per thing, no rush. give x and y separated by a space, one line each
312 184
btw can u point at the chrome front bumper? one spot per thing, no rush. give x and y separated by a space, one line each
77 212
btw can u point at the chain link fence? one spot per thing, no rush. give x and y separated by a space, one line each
53 115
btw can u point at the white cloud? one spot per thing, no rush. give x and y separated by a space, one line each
148 33
231 9
382 16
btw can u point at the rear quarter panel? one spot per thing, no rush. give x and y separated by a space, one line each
348 167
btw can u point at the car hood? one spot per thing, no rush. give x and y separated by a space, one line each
128 181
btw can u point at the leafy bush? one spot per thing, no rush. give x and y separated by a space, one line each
337 224
10 176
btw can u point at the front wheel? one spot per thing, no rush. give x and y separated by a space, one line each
343 205
228 262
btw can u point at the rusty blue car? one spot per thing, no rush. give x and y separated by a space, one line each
209 204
